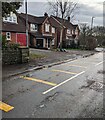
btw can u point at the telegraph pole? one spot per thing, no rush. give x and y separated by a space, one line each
26 23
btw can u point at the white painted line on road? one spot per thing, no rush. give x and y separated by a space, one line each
78 66
63 83
100 63
54 70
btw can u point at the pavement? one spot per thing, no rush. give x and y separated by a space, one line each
51 58
69 90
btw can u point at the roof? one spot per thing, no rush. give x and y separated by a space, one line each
65 22
54 23
34 19
21 25
13 27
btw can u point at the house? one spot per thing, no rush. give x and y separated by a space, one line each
43 31
70 32
13 27
58 26
40 31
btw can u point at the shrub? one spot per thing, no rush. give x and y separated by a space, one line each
8 45
91 43
3 38
103 43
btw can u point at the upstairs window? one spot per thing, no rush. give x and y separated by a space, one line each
73 31
8 36
47 27
68 31
12 19
33 27
53 30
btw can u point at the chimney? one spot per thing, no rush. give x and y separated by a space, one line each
45 14
69 19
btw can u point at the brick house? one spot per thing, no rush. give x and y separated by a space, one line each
70 31
41 33
13 27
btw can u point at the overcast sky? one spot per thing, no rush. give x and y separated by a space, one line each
87 9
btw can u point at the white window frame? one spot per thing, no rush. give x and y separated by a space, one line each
53 29
8 35
68 31
47 27
11 19
53 41
33 27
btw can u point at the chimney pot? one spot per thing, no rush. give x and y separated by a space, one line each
69 19
45 14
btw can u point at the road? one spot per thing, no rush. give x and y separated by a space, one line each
70 90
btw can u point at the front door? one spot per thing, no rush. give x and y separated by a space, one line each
39 43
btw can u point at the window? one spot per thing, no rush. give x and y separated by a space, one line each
53 30
53 41
8 35
47 27
12 19
73 31
34 27
68 31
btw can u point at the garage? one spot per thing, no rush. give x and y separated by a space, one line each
21 39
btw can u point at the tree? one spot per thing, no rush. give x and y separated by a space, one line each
87 40
63 9
8 7
85 31
99 33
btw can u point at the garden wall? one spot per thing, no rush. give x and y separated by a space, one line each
15 56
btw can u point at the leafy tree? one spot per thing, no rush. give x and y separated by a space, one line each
8 7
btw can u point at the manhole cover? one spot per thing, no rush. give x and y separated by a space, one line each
97 86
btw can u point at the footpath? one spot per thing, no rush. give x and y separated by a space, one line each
48 58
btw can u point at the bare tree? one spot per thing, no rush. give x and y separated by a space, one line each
63 9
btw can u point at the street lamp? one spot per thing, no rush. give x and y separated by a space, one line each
92 22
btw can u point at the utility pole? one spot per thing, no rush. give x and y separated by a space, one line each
26 23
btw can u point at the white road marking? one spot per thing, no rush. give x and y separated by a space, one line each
63 83
100 63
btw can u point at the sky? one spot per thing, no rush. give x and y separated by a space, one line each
87 10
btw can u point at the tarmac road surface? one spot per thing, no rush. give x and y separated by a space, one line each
70 90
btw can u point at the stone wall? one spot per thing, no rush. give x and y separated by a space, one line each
15 56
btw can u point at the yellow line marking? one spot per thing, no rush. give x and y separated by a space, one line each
5 107
63 71
38 80
78 66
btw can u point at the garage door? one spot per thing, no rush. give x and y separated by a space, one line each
21 39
